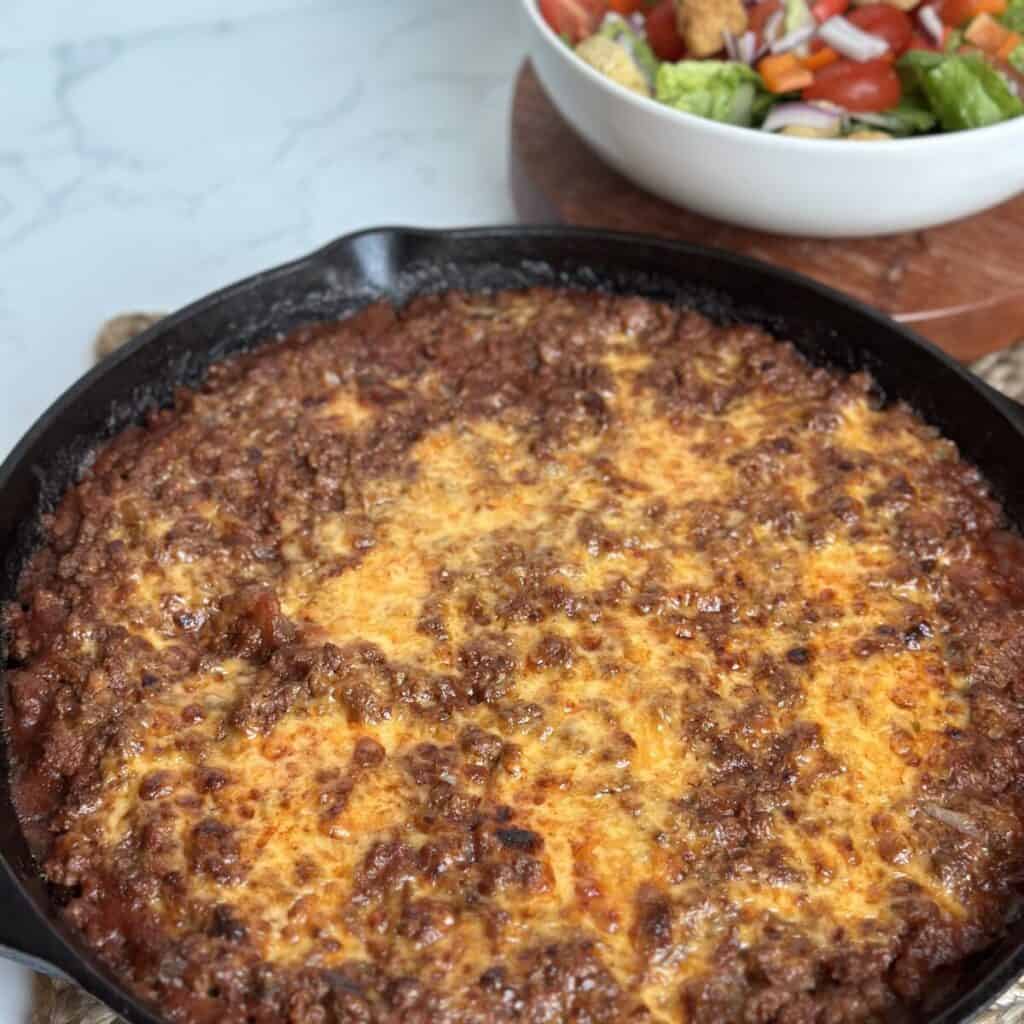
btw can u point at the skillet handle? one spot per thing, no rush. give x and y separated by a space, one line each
26 938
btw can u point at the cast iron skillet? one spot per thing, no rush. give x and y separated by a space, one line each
397 264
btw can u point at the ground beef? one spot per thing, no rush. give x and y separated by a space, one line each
530 657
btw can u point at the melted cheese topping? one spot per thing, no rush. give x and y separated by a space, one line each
703 634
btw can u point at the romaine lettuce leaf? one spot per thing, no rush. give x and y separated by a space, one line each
1013 16
963 90
914 61
911 116
619 30
797 14
721 90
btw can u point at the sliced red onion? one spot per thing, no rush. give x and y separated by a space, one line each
931 23
742 49
773 26
638 24
747 46
844 37
791 40
732 50
807 115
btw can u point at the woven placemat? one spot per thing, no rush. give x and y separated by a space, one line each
59 1002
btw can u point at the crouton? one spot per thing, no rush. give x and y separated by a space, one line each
702 22
804 131
615 62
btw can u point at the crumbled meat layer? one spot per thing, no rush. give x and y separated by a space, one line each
536 657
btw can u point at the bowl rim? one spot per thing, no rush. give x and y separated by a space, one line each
993 133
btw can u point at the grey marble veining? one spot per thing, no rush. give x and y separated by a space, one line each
151 153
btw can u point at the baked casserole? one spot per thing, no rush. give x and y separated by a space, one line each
530 657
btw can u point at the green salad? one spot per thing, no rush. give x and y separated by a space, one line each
831 69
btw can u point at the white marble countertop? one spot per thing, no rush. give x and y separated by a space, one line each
154 152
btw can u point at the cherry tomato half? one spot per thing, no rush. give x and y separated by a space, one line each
959 12
825 9
886 22
955 12
871 86
919 41
574 19
625 7
663 33
758 15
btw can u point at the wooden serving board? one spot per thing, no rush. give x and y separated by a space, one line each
961 285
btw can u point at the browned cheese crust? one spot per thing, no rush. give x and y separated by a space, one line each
536 657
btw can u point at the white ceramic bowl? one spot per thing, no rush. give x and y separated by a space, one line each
787 185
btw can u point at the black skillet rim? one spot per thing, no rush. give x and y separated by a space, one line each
25 933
